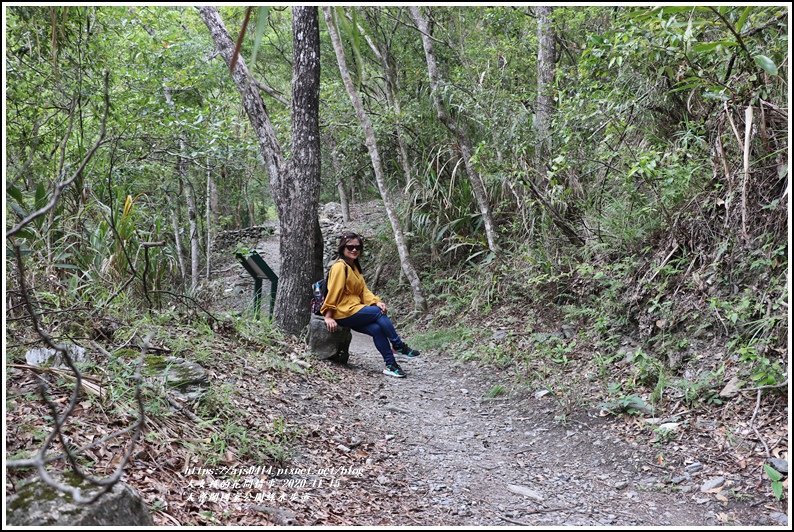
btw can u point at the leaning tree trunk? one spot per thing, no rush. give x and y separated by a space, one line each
372 147
386 60
383 53
295 185
477 186
545 98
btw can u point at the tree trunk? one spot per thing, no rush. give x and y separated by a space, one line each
319 251
545 99
383 53
214 207
340 181
187 188
209 217
178 240
192 214
477 186
302 182
251 212
295 185
372 147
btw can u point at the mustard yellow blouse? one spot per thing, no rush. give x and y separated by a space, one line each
345 298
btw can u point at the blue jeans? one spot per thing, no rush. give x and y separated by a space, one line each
370 320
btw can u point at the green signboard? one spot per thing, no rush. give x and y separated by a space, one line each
258 268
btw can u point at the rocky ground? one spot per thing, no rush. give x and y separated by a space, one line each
448 454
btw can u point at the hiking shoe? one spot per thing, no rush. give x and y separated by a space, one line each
394 371
407 352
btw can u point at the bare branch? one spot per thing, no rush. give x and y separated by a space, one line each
146 246
239 44
752 423
192 300
41 459
748 129
270 91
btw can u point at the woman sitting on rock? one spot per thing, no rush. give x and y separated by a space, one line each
350 303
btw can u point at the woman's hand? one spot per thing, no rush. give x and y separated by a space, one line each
382 306
330 324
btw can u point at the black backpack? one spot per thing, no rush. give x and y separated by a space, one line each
320 291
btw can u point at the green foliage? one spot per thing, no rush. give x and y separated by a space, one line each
442 339
604 363
664 435
496 391
762 370
632 405
705 389
647 368
217 402
553 348
775 479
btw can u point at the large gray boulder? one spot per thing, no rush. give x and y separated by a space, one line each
38 504
44 356
185 379
324 344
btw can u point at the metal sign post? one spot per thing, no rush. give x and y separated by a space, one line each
258 268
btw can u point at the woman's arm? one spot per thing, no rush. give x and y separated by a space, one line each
337 278
330 322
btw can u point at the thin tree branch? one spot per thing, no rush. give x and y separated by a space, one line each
192 300
270 91
752 423
733 31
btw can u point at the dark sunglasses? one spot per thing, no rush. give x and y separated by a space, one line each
354 248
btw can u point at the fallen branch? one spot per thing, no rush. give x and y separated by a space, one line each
183 409
530 512
521 523
781 112
558 220
192 300
85 382
666 259
61 456
752 423
547 510
783 384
